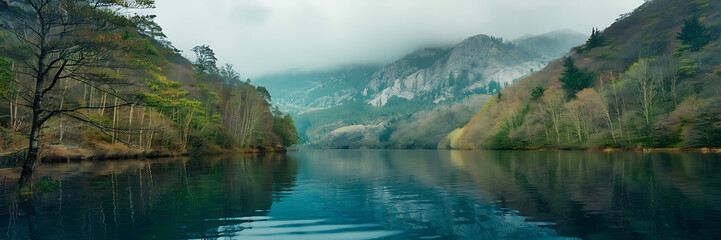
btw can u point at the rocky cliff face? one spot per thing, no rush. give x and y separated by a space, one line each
421 81
467 68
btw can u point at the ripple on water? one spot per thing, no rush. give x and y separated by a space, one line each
263 227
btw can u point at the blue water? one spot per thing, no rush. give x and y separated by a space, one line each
375 194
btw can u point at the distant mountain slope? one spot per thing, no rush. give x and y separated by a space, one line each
648 89
364 106
299 92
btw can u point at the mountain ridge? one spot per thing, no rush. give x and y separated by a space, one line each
421 81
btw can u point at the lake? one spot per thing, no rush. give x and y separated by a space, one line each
376 194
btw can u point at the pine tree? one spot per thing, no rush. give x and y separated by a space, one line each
537 92
693 35
573 78
595 40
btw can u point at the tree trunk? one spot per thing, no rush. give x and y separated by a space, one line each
130 121
618 108
150 128
32 156
115 119
12 116
62 102
103 101
142 119
92 95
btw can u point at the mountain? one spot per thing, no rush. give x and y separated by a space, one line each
299 92
650 80
384 106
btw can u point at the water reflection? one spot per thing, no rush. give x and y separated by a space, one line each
148 199
371 194
597 195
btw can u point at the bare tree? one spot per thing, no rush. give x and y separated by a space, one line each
65 40
645 83
553 111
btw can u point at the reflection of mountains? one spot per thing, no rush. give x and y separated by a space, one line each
154 200
420 190
633 195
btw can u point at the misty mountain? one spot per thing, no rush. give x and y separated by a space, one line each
379 106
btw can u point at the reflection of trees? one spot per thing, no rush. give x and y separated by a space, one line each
596 194
419 190
170 199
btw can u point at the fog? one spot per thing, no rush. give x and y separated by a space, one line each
266 36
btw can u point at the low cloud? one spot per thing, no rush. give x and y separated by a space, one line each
261 36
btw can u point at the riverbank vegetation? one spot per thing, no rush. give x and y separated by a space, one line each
90 74
651 80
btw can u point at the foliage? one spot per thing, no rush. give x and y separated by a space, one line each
113 77
537 92
573 78
6 76
264 93
595 40
693 35
205 60
706 128
687 69
285 129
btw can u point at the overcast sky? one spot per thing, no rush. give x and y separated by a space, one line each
266 36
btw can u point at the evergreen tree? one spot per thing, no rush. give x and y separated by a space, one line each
693 35
595 40
537 93
573 78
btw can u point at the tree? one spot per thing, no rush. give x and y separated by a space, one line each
552 108
229 75
595 40
63 40
537 92
693 35
285 129
573 78
264 93
205 60
642 80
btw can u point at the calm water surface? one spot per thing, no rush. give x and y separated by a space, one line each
376 194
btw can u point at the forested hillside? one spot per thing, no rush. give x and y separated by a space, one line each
650 80
412 102
87 79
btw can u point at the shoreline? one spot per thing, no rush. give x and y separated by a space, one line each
70 153
701 150
67 154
